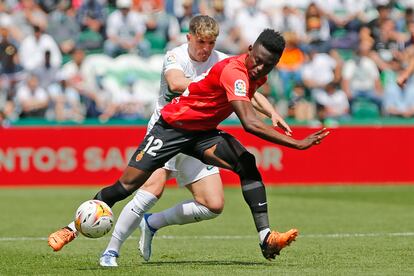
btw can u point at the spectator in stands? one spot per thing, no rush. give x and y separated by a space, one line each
72 72
388 45
6 20
9 59
317 32
300 106
28 14
72 69
7 106
229 41
291 63
398 100
48 6
91 17
372 28
10 71
345 19
63 26
361 78
402 23
331 103
232 7
66 101
125 30
46 73
161 28
125 102
288 20
146 6
176 7
188 13
32 100
250 21
409 43
33 48
321 69
4 122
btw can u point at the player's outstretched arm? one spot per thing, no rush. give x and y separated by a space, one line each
253 125
261 104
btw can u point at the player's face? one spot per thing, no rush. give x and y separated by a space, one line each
200 48
260 62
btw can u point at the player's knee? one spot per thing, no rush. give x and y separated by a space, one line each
214 203
215 206
248 168
129 182
133 179
211 213
155 188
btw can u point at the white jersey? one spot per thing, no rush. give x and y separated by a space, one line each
178 58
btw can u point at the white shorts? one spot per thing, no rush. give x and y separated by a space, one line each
186 169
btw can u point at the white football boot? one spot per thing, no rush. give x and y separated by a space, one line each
145 241
108 259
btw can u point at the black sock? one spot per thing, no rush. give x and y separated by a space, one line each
254 194
112 194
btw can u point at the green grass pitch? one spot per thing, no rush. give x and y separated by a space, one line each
344 230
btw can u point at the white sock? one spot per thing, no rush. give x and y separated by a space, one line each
262 234
130 218
72 227
182 213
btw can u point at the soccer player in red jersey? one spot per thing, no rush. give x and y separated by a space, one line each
189 125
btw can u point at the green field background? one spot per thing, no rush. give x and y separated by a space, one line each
344 230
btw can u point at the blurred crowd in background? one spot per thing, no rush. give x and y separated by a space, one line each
58 59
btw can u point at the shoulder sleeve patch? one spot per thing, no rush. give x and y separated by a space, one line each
240 88
170 59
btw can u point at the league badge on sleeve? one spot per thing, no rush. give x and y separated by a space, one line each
170 59
240 88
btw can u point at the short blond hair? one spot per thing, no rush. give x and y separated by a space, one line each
204 26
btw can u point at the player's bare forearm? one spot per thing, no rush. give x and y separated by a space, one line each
253 125
261 104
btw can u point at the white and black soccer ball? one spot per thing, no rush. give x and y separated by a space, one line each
94 218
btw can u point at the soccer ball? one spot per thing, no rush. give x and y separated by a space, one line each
94 218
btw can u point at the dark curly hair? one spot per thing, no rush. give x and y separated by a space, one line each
273 41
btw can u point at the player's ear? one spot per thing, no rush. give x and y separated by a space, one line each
188 37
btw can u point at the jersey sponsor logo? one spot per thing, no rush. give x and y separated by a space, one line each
240 88
171 59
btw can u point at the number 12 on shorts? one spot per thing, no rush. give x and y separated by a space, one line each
152 146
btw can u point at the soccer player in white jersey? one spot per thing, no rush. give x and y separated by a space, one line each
181 65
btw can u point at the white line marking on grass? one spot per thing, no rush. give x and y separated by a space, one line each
235 237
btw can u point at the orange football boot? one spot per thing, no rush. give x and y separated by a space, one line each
275 241
60 238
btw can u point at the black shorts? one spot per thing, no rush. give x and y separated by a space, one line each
164 142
